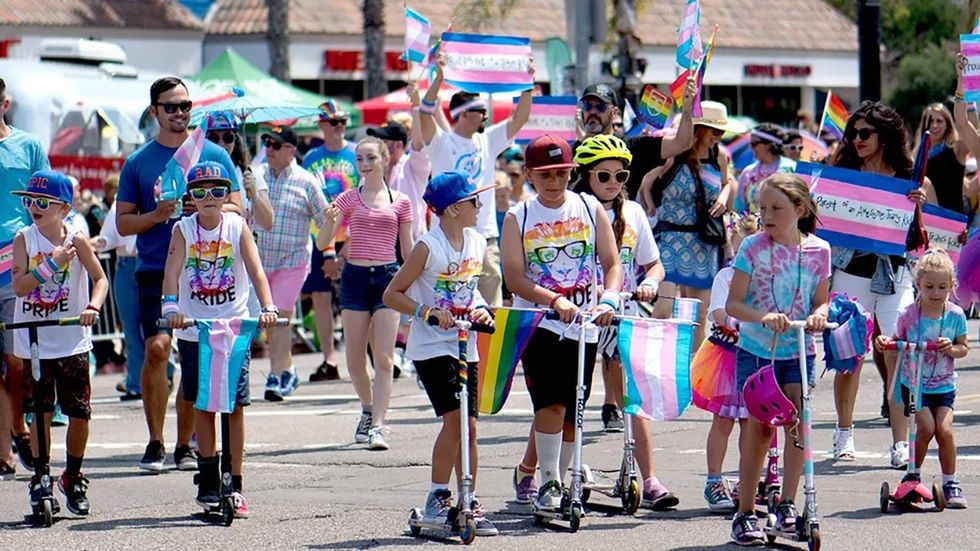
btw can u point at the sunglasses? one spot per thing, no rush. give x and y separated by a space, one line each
597 106
758 142
334 122
272 144
226 137
171 108
202 193
40 202
864 133
793 147
603 176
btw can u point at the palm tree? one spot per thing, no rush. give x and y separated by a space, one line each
373 12
277 35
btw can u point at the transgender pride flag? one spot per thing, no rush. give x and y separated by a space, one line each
553 115
970 47
6 263
490 64
689 49
224 346
173 181
658 356
417 33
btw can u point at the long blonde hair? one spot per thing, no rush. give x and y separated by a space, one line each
951 136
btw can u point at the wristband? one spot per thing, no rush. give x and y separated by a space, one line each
427 109
554 300
611 298
270 309
169 298
418 310
93 308
731 322
651 282
45 270
427 103
169 308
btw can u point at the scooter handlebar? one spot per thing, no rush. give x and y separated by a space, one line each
893 345
464 324
189 322
802 323
43 323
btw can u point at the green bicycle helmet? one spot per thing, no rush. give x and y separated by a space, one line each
601 147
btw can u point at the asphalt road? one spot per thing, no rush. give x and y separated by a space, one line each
310 487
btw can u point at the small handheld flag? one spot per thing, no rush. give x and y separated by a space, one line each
417 33
834 117
657 355
173 181
223 349
655 107
689 35
499 354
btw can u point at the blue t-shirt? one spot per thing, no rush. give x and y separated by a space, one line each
21 154
938 376
337 170
781 279
139 184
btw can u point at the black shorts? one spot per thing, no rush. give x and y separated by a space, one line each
929 400
439 376
189 361
317 281
551 369
149 288
70 376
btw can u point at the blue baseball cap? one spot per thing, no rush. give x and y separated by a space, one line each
221 120
450 188
51 184
208 172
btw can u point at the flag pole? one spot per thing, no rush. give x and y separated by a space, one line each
823 116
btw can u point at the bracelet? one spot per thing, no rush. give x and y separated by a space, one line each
614 307
169 308
427 109
270 309
169 298
427 103
731 322
425 313
611 298
959 96
93 308
554 300
418 310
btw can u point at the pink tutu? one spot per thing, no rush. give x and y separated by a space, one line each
713 376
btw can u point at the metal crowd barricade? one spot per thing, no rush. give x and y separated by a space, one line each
110 325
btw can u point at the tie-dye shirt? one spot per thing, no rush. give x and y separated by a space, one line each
638 247
782 279
747 198
938 376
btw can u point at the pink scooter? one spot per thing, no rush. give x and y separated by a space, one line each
911 493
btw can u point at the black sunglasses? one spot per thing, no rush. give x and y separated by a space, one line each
864 133
597 106
171 108
226 137
272 144
335 122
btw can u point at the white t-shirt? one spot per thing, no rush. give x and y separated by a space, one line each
214 282
559 249
719 291
477 157
65 295
638 248
448 281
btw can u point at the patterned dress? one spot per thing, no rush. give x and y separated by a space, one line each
687 260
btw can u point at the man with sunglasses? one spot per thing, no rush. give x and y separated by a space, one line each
21 154
140 211
793 145
472 148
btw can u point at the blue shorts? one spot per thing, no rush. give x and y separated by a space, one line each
929 400
361 287
787 371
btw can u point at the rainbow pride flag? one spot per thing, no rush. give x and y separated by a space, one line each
658 357
499 354
479 63
702 69
173 181
655 107
834 116
677 88
223 349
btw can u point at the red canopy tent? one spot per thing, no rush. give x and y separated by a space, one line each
375 111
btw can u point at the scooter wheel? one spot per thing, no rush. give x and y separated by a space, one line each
47 515
884 497
414 515
468 533
631 497
938 497
773 497
573 522
771 539
813 542
228 510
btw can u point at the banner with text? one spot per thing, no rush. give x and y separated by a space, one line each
860 210
481 63
945 227
970 47
553 115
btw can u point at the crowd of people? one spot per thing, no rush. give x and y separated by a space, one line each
442 218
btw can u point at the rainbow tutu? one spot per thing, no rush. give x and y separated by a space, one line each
713 376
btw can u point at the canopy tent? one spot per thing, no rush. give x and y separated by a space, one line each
377 110
232 70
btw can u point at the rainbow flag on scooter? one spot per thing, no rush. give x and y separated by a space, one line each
224 347
657 357
499 354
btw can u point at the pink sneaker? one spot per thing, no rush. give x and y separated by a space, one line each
241 505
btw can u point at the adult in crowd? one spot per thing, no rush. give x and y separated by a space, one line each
297 199
767 148
792 145
947 156
140 211
333 163
876 141
21 155
472 148
966 119
222 129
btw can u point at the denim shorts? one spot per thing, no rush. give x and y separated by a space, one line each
361 287
787 371
929 400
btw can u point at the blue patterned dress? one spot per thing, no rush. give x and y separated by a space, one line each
686 259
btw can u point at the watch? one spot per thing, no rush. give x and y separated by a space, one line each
270 309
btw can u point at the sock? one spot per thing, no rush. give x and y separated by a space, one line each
947 478
523 471
435 487
74 467
236 483
366 409
844 429
549 449
650 483
565 459
713 479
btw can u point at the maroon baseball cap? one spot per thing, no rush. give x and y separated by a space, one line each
548 152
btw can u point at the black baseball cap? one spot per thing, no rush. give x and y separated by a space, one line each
603 92
390 130
282 134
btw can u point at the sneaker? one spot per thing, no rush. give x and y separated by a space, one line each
484 527
288 382
22 447
659 498
241 505
549 496
900 455
376 439
121 386
953 494
37 493
58 419
525 489
326 372
612 421
745 530
74 489
716 494
273 392
786 516
363 427
844 444
185 457
130 396
7 471
154 457
208 497
437 506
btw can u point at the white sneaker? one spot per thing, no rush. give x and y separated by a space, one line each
376 439
900 455
844 444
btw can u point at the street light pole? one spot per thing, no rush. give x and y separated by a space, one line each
869 49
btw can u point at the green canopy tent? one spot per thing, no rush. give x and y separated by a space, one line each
231 69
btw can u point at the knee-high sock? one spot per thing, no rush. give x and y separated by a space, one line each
567 451
549 449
